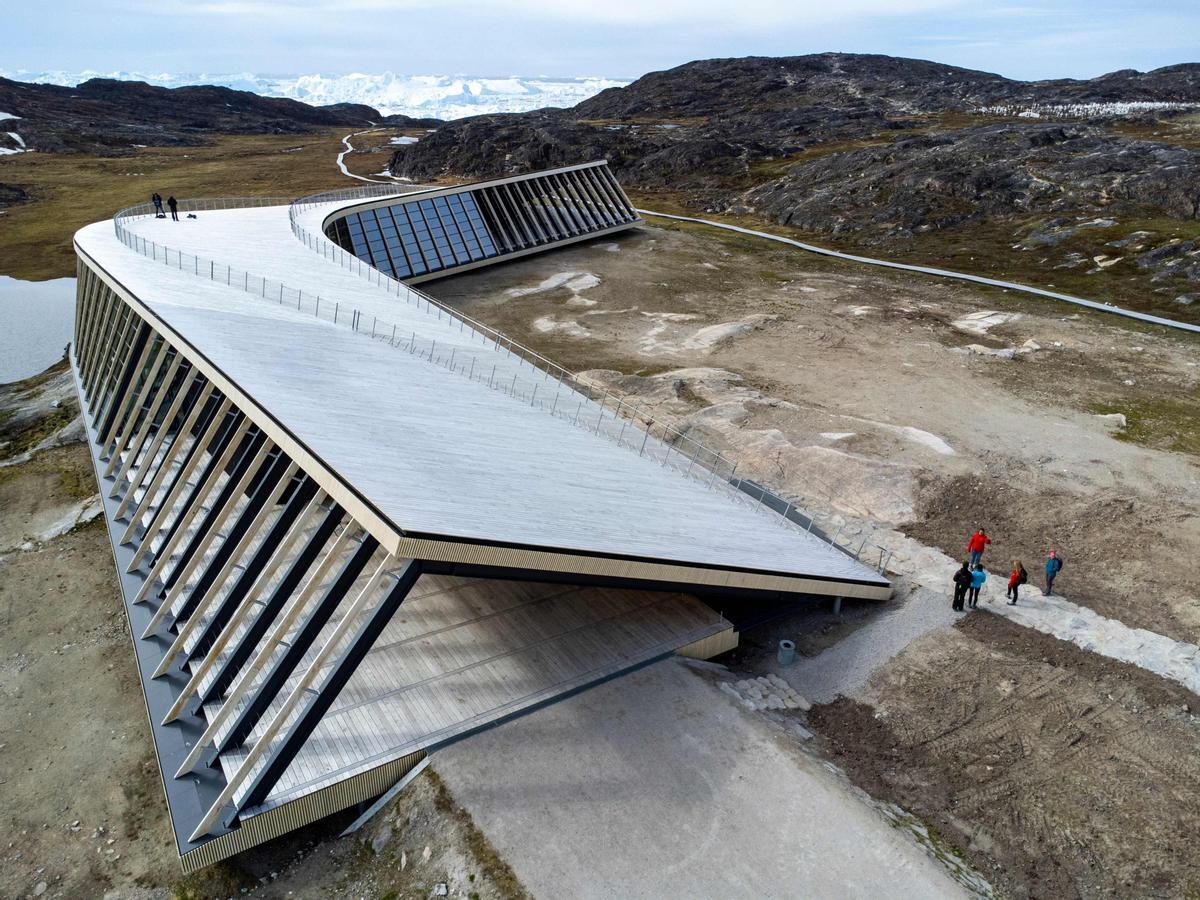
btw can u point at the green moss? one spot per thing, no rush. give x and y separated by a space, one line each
1161 424
29 435
220 880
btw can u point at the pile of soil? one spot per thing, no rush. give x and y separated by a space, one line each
1054 771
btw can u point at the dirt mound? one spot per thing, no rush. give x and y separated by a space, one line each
1056 772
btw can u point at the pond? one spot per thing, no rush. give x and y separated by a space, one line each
37 319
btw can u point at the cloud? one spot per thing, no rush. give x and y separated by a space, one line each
743 15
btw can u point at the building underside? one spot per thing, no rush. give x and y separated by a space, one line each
340 550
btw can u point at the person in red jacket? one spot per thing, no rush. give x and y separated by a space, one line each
1017 578
976 545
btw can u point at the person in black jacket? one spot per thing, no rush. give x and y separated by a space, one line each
174 204
962 581
158 210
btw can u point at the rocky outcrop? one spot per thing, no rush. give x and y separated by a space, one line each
716 126
986 173
11 194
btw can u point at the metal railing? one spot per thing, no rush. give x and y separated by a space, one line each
608 414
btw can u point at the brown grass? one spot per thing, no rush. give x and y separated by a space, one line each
987 249
72 191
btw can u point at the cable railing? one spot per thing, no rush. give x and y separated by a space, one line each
483 355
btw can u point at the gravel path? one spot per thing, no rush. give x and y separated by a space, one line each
1068 621
658 785
845 667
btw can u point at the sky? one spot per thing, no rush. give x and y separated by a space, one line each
615 38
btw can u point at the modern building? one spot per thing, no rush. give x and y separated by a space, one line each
353 525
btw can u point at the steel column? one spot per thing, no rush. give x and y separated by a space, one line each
359 646
282 670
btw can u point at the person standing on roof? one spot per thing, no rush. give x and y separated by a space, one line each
1053 567
174 204
962 581
978 577
1016 578
158 210
976 545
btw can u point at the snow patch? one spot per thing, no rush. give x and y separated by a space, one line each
908 432
650 344
572 281
981 322
1084 110
837 435
711 335
980 350
4 115
16 137
569 327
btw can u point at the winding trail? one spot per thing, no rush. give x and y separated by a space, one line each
341 158
940 273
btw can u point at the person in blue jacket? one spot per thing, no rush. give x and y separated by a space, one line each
978 577
1053 567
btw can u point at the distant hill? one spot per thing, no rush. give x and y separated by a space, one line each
706 123
903 156
106 116
716 87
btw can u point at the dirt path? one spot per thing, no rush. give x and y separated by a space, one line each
341 158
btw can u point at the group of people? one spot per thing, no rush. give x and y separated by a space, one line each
971 576
158 207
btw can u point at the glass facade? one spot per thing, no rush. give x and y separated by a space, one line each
415 238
